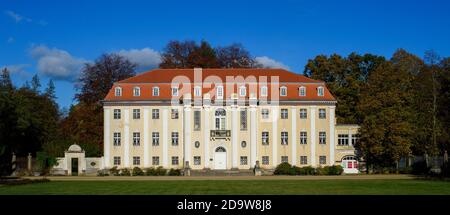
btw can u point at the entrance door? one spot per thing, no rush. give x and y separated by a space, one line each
74 166
220 158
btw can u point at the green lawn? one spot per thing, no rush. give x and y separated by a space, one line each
181 187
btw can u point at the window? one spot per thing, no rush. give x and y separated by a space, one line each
219 92
244 160
320 91
155 138
284 138
174 91
136 113
155 160
243 119
136 160
197 119
322 159
303 137
303 160
322 137
155 91
118 91
197 144
220 119
265 160
174 113
303 113
155 113
265 113
116 138
342 139
116 113
243 144
284 113
355 139
265 138
197 91
283 91
264 91
242 91
136 139
302 91
174 138
284 159
197 160
136 91
116 161
174 160
322 114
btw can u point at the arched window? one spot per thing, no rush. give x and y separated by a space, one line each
118 91
320 91
136 91
220 149
220 116
283 91
155 91
302 91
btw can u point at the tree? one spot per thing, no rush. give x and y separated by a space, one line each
50 90
444 103
5 79
235 56
203 56
35 83
176 54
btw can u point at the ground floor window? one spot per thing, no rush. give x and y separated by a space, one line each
116 161
174 160
155 160
303 160
349 162
284 159
137 160
197 160
243 160
322 159
265 160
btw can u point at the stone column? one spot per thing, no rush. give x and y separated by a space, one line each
187 128
253 135
29 162
294 116
126 138
234 136
146 132
275 117
332 136
106 136
312 118
165 137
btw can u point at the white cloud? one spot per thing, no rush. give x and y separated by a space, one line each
145 58
10 40
270 63
56 63
18 18
18 69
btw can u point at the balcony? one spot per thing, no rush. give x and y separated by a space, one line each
220 134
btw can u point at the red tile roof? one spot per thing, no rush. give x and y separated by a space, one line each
185 80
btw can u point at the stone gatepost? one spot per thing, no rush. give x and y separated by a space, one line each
257 169
29 162
187 169
13 164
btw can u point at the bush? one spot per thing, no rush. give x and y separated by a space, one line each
114 171
420 168
103 172
160 171
174 172
307 170
334 170
150 171
125 172
137 171
284 169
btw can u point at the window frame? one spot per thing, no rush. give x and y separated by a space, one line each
155 91
136 91
302 91
118 91
283 89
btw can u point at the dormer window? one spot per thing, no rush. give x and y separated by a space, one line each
219 92
136 91
320 91
242 91
155 91
174 91
302 91
197 91
264 91
283 91
118 91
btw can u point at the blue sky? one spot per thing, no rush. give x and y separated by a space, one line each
55 38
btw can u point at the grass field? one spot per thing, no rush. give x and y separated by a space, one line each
234 187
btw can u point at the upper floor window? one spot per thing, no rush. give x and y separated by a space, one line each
118 91
174 138
174 91
197 91
284 113
265 113
197 120
136 139
136 113
303 137
303 113
355 138
219 92
155 91
243 119
155 138
116 139
174 113
116 113
284 138
322 113
136 91
220 115
155 113
342 139
283 91
302 91
320 91
242 91
264 91
265 138
322 137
